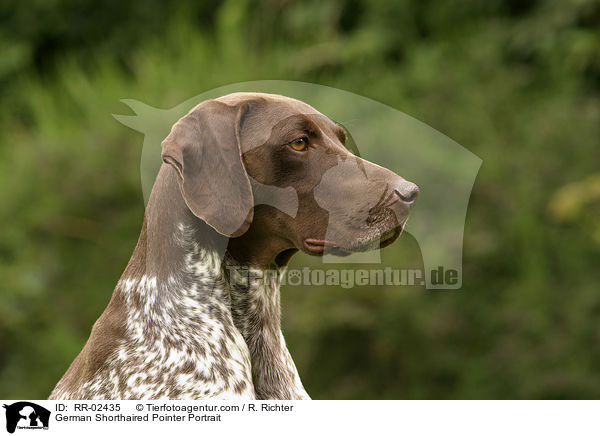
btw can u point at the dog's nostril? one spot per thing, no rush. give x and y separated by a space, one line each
408 192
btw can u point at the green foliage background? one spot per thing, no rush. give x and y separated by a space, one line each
516 82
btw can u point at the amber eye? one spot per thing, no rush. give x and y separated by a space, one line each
300 144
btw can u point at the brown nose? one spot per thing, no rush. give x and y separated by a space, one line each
407 191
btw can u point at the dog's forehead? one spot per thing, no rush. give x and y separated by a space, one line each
272 110
275 101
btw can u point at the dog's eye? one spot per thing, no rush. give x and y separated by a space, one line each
300 144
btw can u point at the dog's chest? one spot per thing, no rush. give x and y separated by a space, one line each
201 334
176 348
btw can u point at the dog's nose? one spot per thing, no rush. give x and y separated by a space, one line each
407 191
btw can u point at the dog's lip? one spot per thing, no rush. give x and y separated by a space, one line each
318 246
390 236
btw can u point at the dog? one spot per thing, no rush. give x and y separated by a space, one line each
247 180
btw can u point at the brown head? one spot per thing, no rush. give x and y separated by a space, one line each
273 174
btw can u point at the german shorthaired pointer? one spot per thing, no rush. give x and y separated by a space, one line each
247 180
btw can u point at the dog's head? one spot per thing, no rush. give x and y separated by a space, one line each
228 149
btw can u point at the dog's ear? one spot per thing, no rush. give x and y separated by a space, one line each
204 147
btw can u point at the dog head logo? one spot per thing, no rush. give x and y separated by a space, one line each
26 415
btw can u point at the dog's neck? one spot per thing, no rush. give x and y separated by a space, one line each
255 307
186 266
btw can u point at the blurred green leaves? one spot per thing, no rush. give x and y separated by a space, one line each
516 82
579 203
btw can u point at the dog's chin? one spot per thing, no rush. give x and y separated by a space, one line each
319 247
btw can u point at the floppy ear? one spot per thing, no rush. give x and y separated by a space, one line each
204 148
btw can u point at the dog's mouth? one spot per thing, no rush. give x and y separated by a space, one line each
321 246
